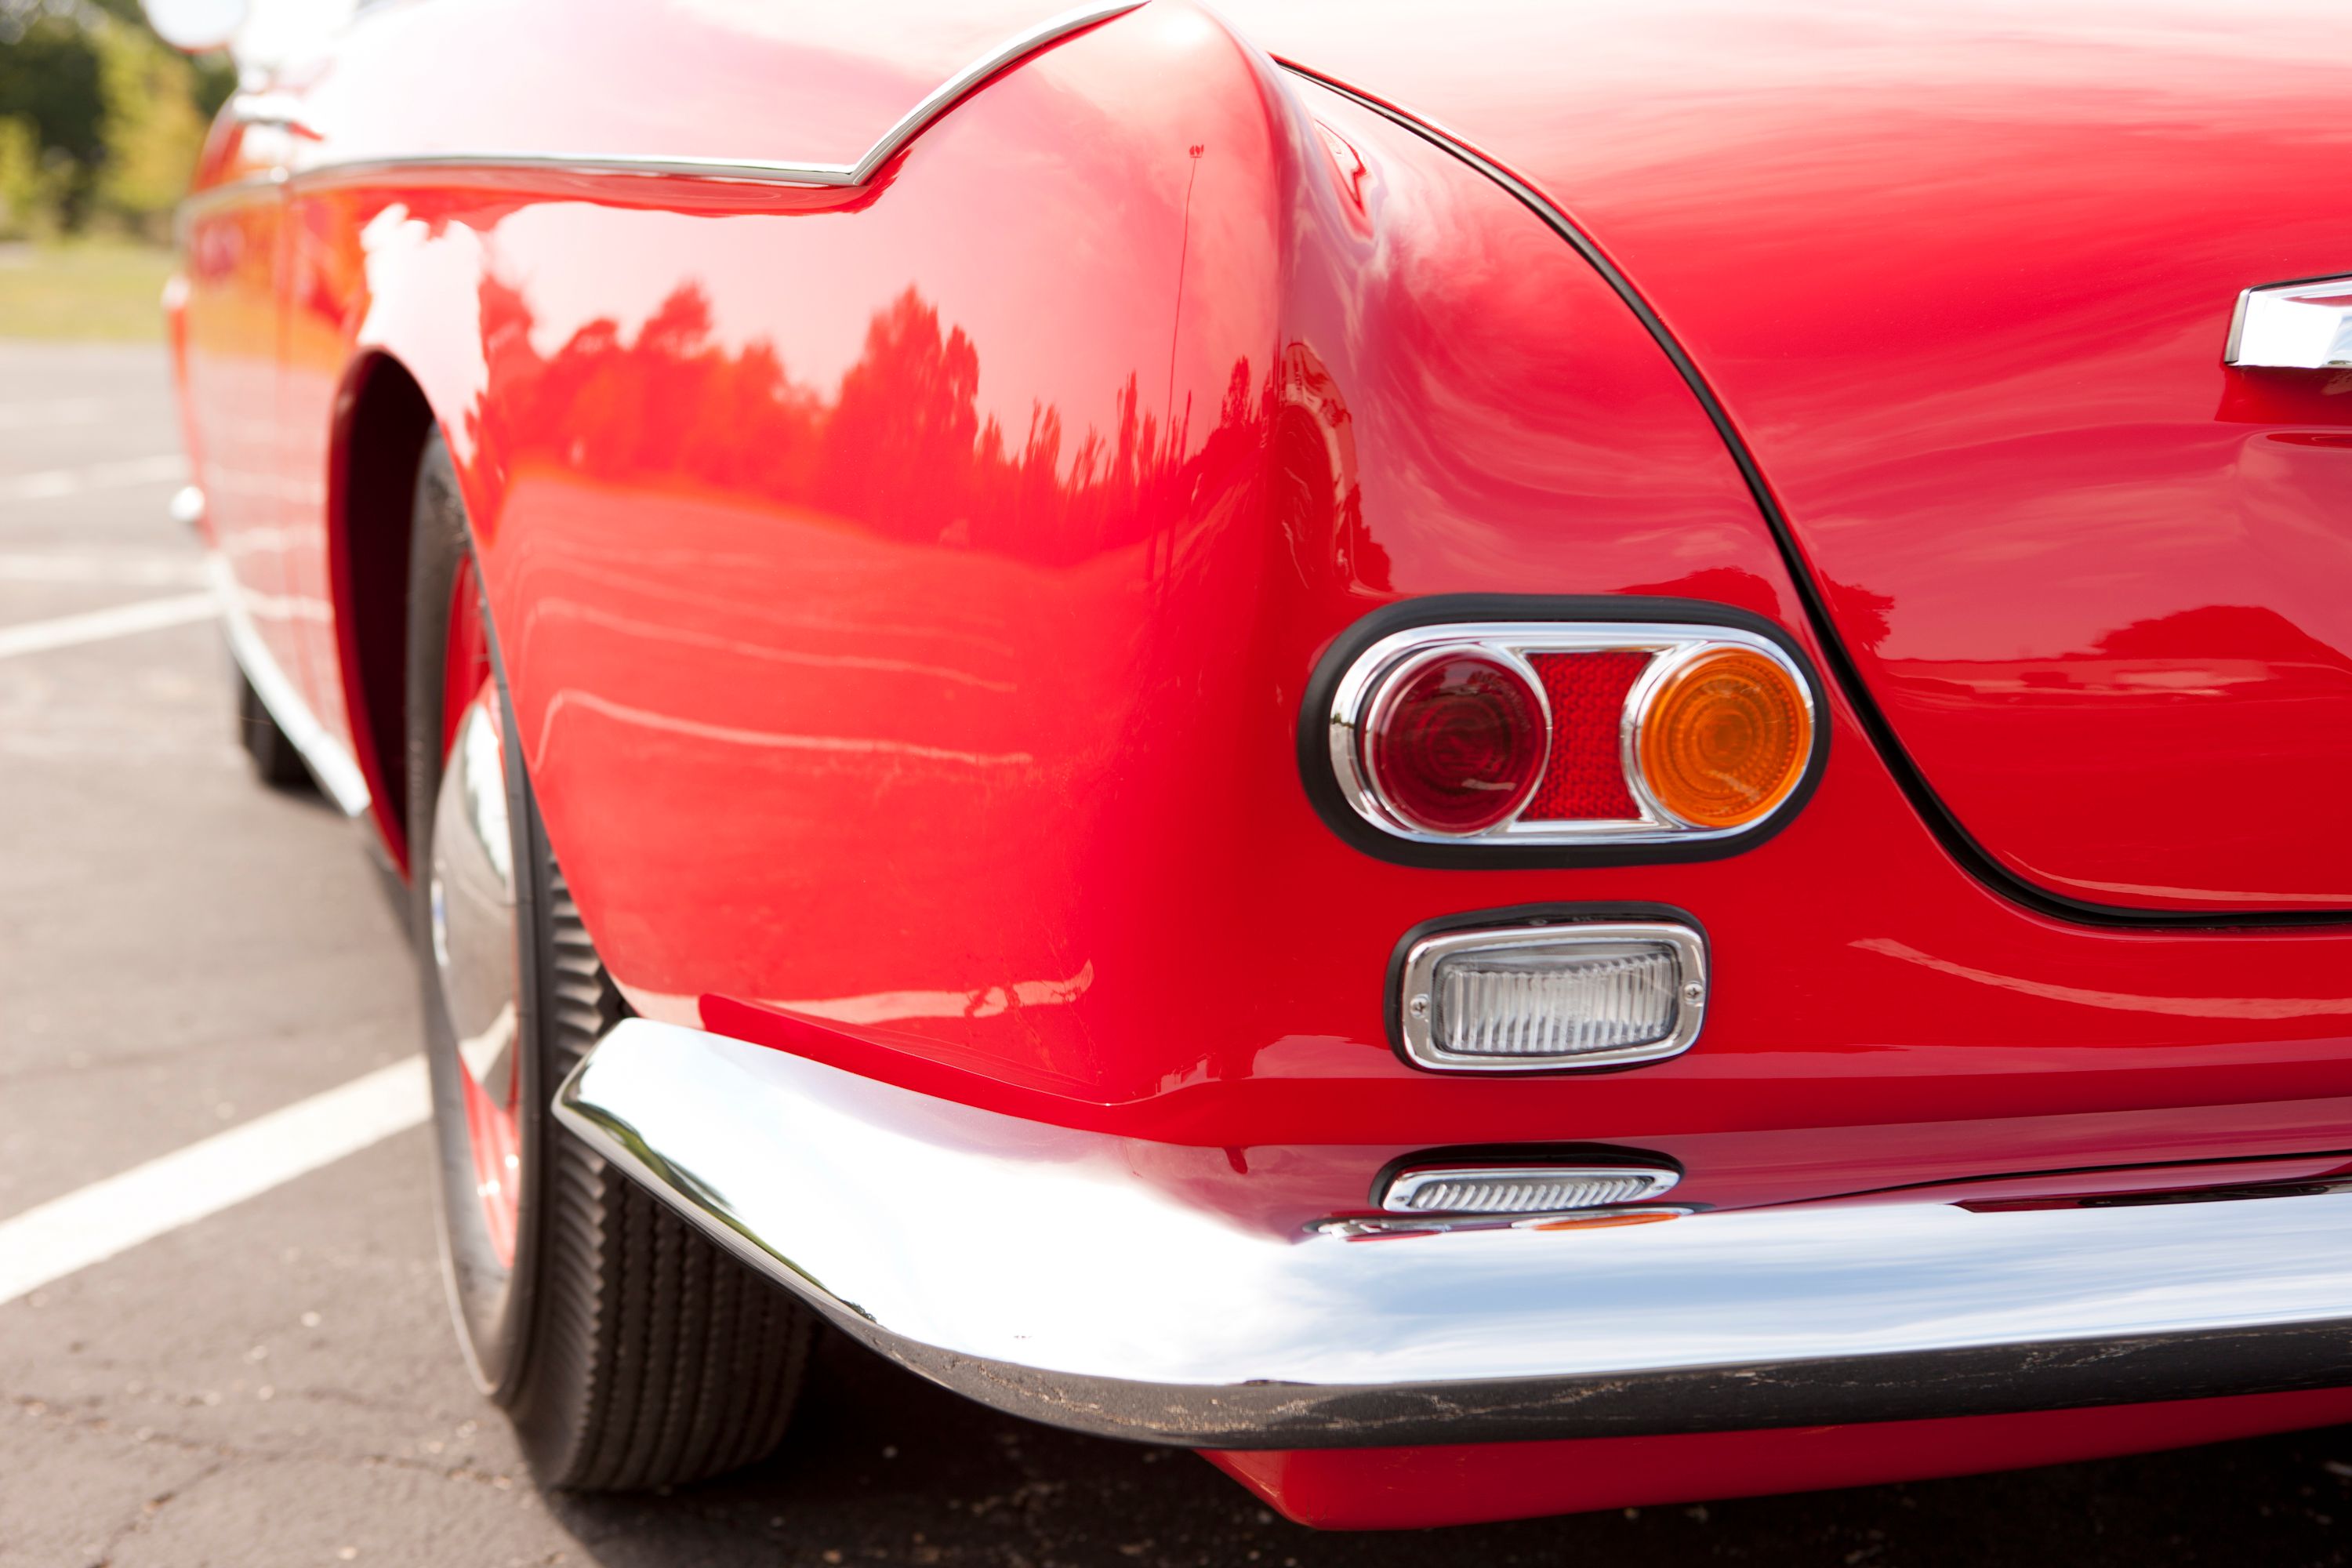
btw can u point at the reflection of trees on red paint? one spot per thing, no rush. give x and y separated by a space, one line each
1862 613
2224 631
1317 496
900 447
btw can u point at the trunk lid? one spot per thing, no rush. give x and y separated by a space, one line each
1961 278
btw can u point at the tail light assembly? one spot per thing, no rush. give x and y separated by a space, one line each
1575 737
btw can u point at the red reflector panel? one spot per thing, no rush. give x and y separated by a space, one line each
1585 779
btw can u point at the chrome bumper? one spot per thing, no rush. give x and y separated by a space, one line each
1031 1269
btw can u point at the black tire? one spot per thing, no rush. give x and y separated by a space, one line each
275 763
627 1349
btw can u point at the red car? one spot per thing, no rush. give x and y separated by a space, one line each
1499 759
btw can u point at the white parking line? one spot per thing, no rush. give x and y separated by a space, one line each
130 568
44 1245
49 414
97 626
51 483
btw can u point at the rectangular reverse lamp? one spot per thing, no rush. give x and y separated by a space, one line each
1543 997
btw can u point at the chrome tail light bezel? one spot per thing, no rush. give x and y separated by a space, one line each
1364 665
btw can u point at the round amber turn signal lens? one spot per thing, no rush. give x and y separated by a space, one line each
1725 738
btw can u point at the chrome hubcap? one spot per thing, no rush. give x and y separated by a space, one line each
472 895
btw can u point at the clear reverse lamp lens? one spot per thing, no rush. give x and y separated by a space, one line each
1555 1002
1562 997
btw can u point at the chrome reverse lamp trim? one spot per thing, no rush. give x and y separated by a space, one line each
279 111
1115 1303
1416 999
1374 673
2305 326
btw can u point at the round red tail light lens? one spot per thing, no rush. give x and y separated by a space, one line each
1455 742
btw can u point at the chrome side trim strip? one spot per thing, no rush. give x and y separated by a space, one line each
1033 1269
756 171
330 762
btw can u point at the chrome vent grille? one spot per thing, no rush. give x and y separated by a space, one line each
1497 1190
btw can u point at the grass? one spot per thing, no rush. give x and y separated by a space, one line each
107 289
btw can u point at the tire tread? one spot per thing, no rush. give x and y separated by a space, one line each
633 1351
679 1364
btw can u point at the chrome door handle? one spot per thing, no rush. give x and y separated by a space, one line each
2292 326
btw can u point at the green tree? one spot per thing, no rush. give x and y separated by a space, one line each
215 79
22 198
49 77
153 130
116 119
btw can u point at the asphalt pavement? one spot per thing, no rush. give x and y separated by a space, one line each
182 951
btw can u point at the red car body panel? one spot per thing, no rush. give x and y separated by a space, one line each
1962 276
907 591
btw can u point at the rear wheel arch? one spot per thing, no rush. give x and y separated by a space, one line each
381 421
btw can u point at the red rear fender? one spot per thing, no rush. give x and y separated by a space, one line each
908 594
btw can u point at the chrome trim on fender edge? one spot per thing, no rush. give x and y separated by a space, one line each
330 762
948 93
753 171
1034 1268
